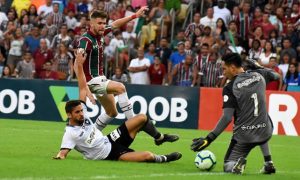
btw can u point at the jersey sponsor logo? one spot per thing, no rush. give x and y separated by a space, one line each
247 82
91 137
225 98
114 135
251 127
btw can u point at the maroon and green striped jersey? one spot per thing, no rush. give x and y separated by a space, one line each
94 47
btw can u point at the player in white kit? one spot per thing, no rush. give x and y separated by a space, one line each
82 135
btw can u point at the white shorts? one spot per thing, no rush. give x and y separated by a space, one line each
98 85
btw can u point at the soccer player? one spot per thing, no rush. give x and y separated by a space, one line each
81 134
244 98
92 42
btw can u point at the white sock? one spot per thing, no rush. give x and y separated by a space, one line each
125 105
102 121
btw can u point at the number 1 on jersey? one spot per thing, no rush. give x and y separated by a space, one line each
254 96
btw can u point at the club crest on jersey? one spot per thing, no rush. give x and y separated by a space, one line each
225 98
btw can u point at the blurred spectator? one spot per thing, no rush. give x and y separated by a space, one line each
164 52
25 25
5 5
2 63
235 13
268 52
109 6
11 18
32 41
115 45
236 47
207 37
284 64
57 17
83 23
33 16
292 35
63 63
118 13
6 72
256 50
188 47
61 38
47 73
232 32
157 72
287 48
190 30
71 21
257 18
176 57
295 11
244 21
291 78
183 73
51 28
129 36
44 10
266 26
41 56
3 17
279 19
138 69
209 19
119 76
275 85
276 40
220 35
268 9
211 73
151 52
16 41
72 6
258 35
25 69
179 38
202 57
221 11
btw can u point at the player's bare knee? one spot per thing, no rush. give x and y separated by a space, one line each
142 117
112 113
148 156
120 88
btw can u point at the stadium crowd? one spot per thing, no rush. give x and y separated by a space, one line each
37 39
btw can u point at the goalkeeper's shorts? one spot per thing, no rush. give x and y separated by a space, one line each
98 85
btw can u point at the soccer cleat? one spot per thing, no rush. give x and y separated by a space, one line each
166 138
239 166
173 156
268 168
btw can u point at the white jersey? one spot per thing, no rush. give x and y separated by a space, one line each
87 140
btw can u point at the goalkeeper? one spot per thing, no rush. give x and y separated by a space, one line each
244 98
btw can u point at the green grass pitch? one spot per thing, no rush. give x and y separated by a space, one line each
27 147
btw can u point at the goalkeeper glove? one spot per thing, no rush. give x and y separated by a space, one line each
200 143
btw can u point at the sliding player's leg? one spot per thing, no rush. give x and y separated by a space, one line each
109 105
119 89
147 156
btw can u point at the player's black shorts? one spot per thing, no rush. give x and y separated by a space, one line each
237 150
120 142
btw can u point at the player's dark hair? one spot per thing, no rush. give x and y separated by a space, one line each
232 59
70 105
98 14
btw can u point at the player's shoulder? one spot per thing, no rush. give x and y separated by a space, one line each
229 86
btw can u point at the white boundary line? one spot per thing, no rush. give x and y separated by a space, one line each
142 176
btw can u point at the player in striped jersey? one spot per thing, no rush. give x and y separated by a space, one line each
92 42
81 134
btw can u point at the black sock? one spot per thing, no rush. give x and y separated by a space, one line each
150 129
267 158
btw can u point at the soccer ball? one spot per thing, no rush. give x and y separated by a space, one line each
205 160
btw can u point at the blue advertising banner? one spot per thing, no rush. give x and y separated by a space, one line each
45 100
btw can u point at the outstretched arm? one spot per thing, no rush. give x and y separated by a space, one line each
120 22
84 90
201 143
